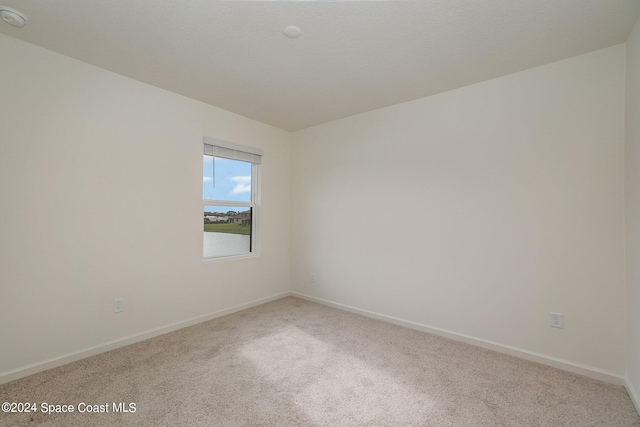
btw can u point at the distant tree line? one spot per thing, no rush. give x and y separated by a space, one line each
229 213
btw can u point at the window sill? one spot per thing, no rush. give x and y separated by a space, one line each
229 258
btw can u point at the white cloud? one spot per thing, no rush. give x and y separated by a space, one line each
243 184
206 178
242 179
241 188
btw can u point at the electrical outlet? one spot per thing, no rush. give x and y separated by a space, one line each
312 277
555 320
118 305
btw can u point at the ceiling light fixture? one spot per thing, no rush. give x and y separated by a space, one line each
292 32
13 17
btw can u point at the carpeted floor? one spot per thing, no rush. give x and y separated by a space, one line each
297 363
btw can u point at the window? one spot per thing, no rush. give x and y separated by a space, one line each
230 184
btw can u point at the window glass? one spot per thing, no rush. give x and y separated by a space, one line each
226 179
229 202
227 231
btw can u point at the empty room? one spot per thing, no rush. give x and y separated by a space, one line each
320 213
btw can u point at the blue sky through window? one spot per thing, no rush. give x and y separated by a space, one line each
232 179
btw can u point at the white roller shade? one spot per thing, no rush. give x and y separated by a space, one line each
229 150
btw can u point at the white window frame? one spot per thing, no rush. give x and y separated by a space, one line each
232 151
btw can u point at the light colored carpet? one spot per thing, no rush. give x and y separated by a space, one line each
296 363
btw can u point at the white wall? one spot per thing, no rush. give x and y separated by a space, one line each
632 169
100 198
477 211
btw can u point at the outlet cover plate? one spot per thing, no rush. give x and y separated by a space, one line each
118 305
555 320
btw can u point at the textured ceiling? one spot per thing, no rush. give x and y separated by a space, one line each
352 56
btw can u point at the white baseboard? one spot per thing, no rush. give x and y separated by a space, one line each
633 394
34 368
576 368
